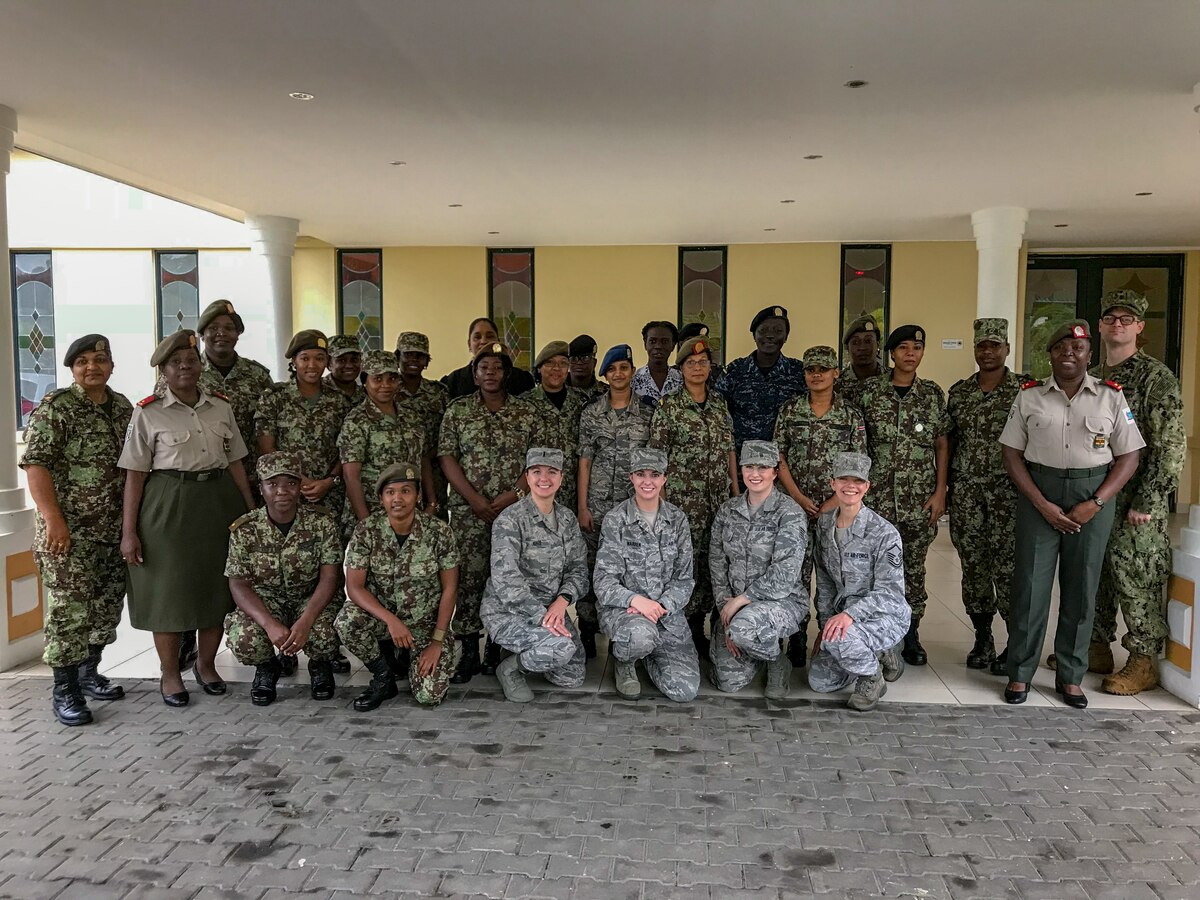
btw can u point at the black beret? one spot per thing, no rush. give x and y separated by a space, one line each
770 312
89 343
309 339
691 330
583 345
904 333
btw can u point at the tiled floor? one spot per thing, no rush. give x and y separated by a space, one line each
946 633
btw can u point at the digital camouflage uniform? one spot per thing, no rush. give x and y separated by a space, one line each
757 553
535 559
430 401
1137 561
656 563
78 442
864 579
900 440
283 570
407 581
358 396
490 448
983 499
754 396
559 428
698 440
375 440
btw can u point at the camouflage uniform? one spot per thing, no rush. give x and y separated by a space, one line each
900 440
656 563
1137 561
559 428
698 440
283 570
863 578
848 384
355 398
78 442
754 396
757 553
430 401
375 440
490 448
535 559
407 581
983 499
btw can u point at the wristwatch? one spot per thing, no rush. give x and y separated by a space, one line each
1096 499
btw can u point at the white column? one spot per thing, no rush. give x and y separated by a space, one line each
12 497
274 239
998 234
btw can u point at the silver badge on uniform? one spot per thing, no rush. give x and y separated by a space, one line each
919 427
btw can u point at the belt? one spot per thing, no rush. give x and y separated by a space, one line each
206 475
1069 473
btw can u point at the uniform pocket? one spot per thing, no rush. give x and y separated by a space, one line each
174 438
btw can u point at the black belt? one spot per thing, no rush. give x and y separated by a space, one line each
206 475
1069 473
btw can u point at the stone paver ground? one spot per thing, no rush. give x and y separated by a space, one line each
586 796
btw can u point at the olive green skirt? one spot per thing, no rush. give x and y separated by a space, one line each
184 530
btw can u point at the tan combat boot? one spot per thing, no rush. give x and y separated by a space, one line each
1100 659
1140 674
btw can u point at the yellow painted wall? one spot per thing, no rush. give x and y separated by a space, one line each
1189 482
314 289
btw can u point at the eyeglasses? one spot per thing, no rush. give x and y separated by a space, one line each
1125 320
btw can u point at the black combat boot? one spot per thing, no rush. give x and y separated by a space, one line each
262 691
1000 663
340 664
696 623
92 683
397 659
468 666
382 686
797 649
188 653
493 655
913 653
984 652
587 636
69 706
287 665
320 677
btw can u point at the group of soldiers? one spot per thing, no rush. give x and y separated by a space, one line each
465 444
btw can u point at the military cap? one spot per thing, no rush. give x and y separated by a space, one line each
343 343
853 465
89 343
1125 299
379 362
219 308
770 312
544 456
759 453
582 345
551 350
619 353
1076 328
401 471
647 458
279 463
991 330
902 334
412 342
865 322
309 339
692 329
180 340
694 346
821 357
496 349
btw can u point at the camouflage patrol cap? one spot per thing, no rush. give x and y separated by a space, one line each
820 357
991 330
309 339
865 323
279 463
759 453
544 456
379 362
1124 299
1076 328
641 458
401 471
180 340
342 343
852 465
219 308
694 346
551 350
412 342
89 343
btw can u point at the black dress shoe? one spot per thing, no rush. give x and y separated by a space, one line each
1014 697
214 688
176 700
1077 701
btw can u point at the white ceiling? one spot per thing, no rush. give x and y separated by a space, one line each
628 121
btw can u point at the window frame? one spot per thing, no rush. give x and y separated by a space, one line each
887 294
158 335
723 249
491 310
339 288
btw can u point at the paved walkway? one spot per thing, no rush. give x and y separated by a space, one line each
585 796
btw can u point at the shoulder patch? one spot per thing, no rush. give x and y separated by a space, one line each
240 521
220 395
1031 383
1112 384
146 401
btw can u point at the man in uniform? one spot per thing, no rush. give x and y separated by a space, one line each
582 354
557 407
72 444
283 569
461 382
982 498
345 365
428 397
861 340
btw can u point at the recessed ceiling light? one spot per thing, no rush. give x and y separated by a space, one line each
787 201
301 95
1144 194
768 229
1061 225
455 205
856 83
814 156
398 162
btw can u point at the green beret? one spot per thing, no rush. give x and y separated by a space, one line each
412 342
89 343
770 312
309 339
865 323
544 456
1125 299
693 346
551 350
401 471
180 340
219 308
759 453
991 330
1076 328
647 458
379 362
821 357
343 343
854 465
902 334
279 463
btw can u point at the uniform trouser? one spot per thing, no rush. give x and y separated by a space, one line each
666 648
249 644
474 537
916 535
361 633
560 659
840 663
982 529
701 602
756 631
585 608
85 592
1078 557
1137 564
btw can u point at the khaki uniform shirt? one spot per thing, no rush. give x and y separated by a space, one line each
168 434
1081 433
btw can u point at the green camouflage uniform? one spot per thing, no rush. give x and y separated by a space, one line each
283 570
983 499
430 402
559 428
406 580
79 442
1137 562
900 442
359 395
375 440
698 440
490 448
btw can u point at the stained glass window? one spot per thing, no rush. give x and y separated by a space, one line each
178 285
360 296
1050 301
702 292
33 329
510 301
866 284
